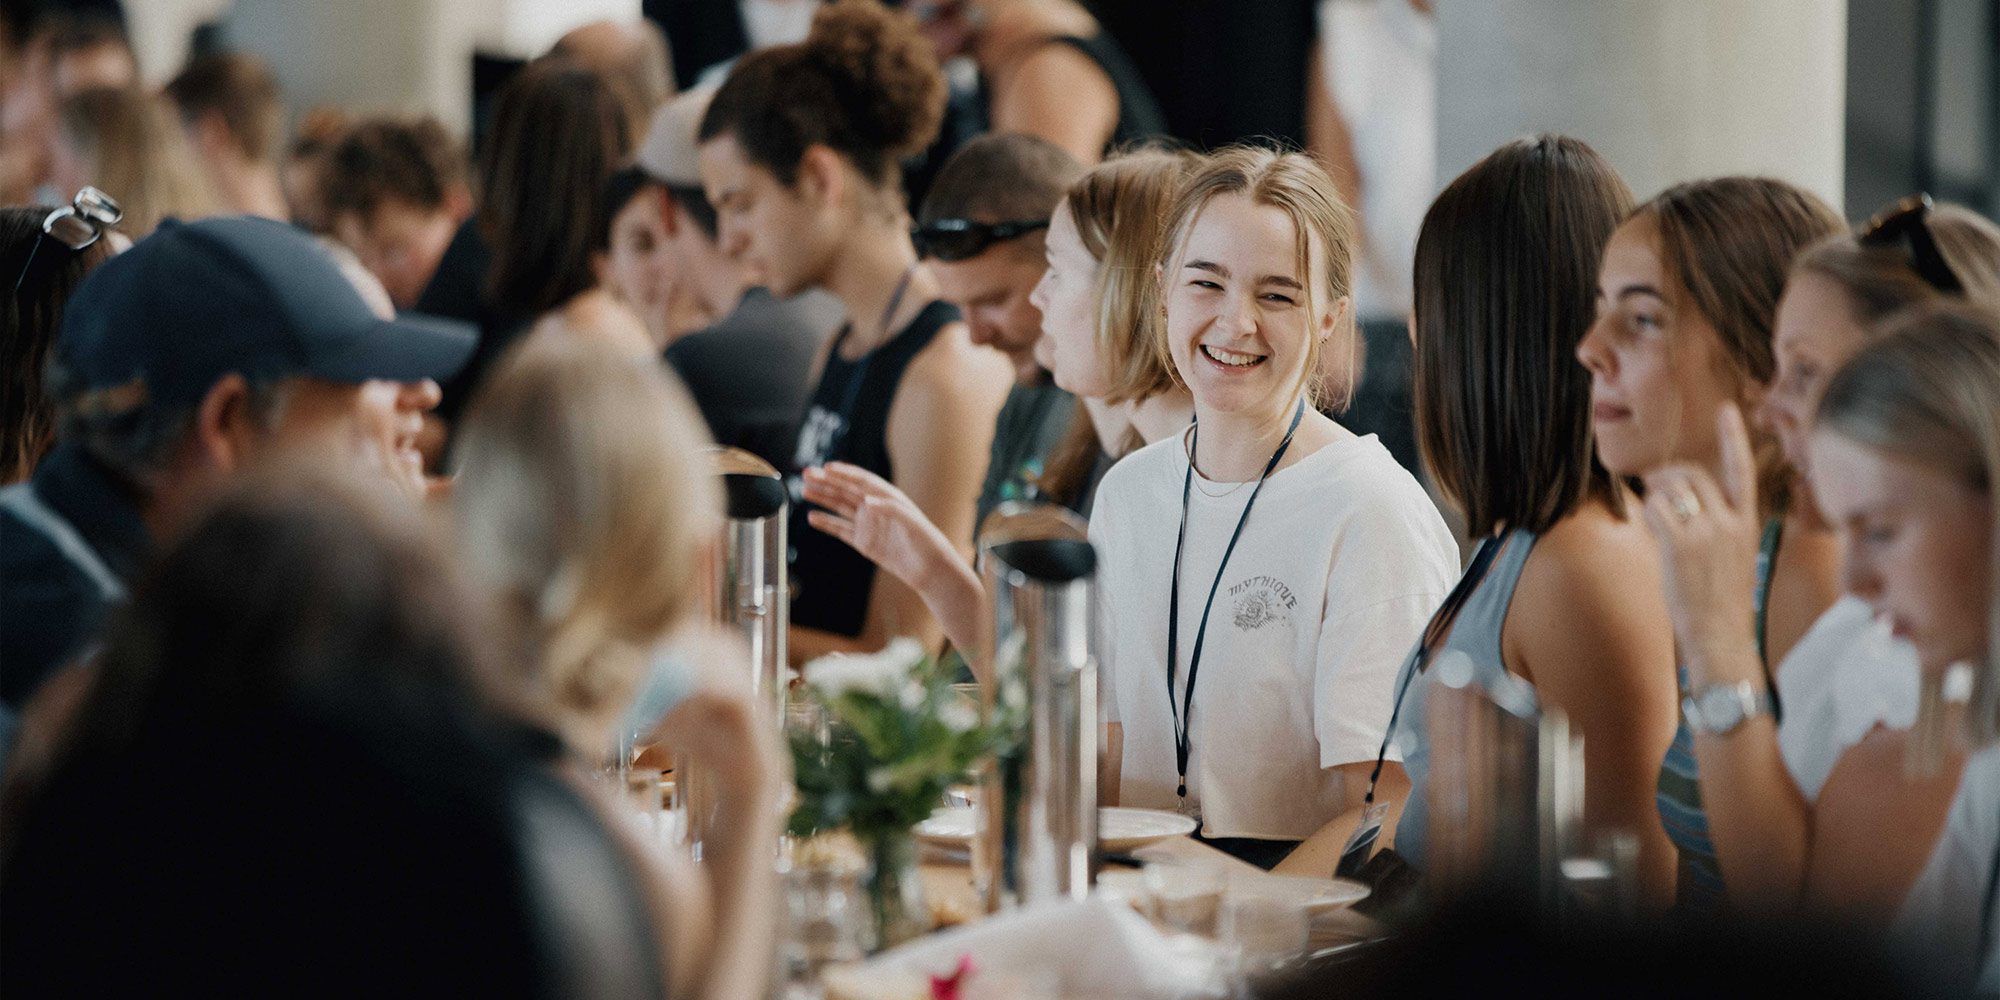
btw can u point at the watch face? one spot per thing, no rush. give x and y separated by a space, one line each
1721 708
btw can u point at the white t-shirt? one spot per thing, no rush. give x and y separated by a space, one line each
1342 562
1941 915
1845 676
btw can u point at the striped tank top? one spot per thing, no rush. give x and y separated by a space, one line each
1699 889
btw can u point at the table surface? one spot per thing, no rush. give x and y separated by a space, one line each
953 899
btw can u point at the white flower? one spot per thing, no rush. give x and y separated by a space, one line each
911 697
880 780
958 716
879 674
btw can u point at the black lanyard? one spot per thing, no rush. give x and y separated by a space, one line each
1183 711
1434 633
858 378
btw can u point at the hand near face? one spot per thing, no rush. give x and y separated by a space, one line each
720 722
1708 535
878 520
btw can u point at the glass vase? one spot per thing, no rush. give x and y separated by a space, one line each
896 890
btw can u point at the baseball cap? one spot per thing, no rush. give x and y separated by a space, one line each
195 301
671 153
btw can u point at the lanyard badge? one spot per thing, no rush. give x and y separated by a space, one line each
1183 710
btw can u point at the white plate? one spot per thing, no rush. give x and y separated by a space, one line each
1316 895
1118 830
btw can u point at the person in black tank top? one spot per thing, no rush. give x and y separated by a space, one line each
799 152
1022 90
847 420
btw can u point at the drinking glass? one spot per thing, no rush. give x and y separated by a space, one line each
1261 932
1186 897
826 922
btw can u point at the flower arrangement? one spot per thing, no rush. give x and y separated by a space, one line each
900 736
896 737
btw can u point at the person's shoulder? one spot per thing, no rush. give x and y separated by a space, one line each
1145 467
951 362
1979 785
1594 546
1593 560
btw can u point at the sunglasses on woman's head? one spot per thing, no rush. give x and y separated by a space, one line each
74 226
952 240
1907 222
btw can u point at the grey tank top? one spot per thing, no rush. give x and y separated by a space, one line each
1475 632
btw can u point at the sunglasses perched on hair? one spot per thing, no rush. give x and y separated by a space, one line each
74 227
1907 222
951 240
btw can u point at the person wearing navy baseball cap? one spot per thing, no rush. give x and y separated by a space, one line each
208 347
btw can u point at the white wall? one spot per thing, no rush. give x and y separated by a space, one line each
1667 90
400 56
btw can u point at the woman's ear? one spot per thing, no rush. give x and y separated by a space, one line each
822 176
1337 318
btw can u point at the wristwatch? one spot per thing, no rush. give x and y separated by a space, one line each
1717 709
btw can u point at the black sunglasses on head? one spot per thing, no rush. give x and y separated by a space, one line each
952 240
1907 221
74 226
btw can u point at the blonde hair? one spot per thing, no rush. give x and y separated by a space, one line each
585 499
1119 208
1929 390
135 151
1879 280
1293 183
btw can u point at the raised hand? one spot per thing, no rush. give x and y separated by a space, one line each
879 521
1708 533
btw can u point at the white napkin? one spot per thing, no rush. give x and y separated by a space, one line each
1096 947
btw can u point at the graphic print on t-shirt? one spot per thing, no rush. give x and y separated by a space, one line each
816 437
1260 601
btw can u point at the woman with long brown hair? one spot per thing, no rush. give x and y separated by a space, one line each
1505 265
1857 750
1686 298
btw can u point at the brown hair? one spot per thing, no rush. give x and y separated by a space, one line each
1297 185
241 90
864 83
558 133
1879 280
1928 390
584 500
31 318
413 161
1506 270
1119 209
138 155
1727 245
1000 177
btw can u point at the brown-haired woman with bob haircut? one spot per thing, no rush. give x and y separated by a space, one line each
1687 295
1859 749
1563 591
799 152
